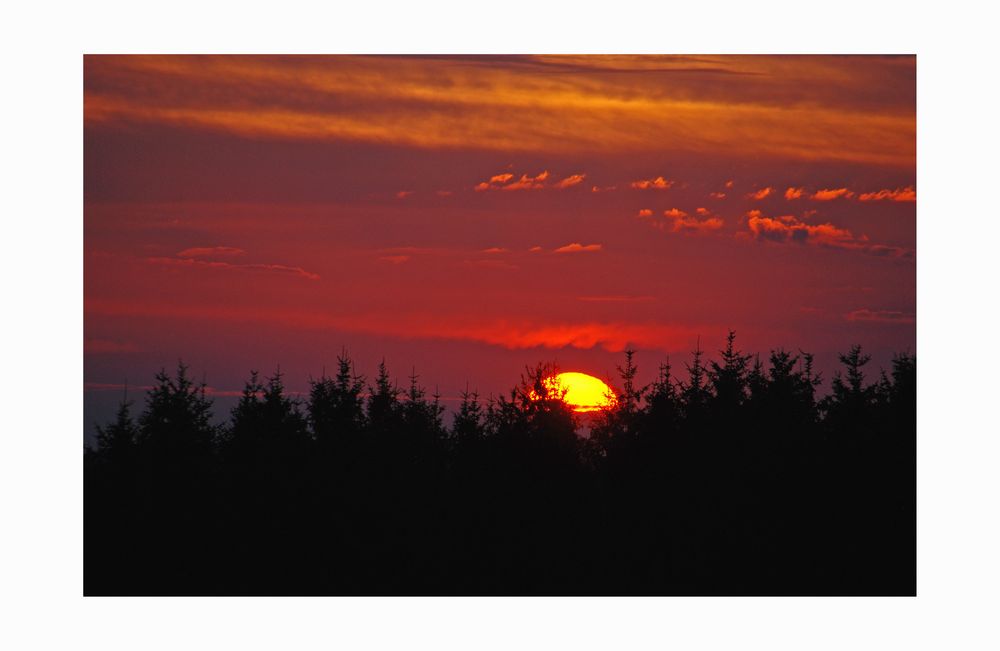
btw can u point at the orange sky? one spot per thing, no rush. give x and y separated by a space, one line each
469 215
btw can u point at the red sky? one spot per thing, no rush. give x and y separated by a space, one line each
470 215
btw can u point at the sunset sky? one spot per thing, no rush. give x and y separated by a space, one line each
466 216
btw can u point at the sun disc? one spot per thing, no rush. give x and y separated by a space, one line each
584 393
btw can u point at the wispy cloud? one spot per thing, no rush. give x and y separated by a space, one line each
794 193
210 252
475 105
881 316
763 193
509 333
570 181
899 194
659 183
214 264
789 229
675 220
505 181
832 194
526 182
576 247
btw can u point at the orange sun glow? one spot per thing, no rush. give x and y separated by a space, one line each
584 393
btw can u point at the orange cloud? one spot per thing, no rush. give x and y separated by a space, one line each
528 182
645 212
763 193
436 105
607 188
613 336
789 229
659 183
210 251
899 194
717 195
535 249
576 247
495 182
191 262
794 193
495 249
830 195
678 221
570 181
402 194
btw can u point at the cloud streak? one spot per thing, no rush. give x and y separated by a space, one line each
787 229
675 220
576 247
215 264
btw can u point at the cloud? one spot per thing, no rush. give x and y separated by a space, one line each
495 249
494 182
210 252
444 193
832 194
881 316
816 108
576 247
789 229
277 268
570 181
402 194
659 183
763 193
607 188
613 336
678 221
645 212
899 194
794 193
394 259
535 249
717 195
528 182
504 182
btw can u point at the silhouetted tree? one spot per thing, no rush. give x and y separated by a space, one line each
468 423
336 405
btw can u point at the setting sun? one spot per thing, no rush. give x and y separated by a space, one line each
584 393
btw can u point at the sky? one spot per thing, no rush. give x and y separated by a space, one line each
463 217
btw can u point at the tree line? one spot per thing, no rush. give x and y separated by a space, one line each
735 479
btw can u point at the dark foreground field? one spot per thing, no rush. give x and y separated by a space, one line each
737 480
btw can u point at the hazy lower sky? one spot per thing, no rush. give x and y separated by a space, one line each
469 215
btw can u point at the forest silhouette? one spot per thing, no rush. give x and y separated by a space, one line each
736 480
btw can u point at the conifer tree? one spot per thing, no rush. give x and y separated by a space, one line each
729 379
116 442
336 405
